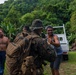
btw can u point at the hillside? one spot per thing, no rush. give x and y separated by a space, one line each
17 13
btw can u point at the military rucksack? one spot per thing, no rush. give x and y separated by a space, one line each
14 48
17 51
20 49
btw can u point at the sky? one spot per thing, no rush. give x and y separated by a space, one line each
2 1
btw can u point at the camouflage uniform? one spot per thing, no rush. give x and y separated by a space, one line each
37 47
12 65
38 50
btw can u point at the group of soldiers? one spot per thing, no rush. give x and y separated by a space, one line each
34 48
39 52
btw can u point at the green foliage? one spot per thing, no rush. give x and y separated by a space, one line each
13 17
52 12
72 6
73 22
27 18
1 18
71 38
39 14
9 30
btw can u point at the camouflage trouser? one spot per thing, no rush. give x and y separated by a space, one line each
36 72
12 66
29 68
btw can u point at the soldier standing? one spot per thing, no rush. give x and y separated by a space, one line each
38 47
36 30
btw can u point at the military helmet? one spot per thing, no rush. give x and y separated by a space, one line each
37 24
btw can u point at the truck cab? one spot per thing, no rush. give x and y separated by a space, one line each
61 33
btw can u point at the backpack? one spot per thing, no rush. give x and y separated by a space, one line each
17 51
20 49
16 47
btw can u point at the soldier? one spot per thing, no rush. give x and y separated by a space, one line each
39 47
36 30
14 69
34 51
25 31
38 50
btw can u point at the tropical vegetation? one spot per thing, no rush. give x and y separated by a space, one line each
14 14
